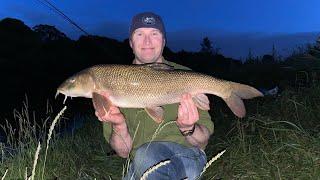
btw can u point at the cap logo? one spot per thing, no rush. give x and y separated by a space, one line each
149 20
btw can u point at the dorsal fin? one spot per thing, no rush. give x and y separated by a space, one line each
159 66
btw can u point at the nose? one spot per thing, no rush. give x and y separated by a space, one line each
147 39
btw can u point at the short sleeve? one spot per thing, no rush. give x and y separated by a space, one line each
107 130
205 120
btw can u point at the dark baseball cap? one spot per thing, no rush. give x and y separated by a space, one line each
147 20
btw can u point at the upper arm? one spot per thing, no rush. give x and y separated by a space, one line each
107 130
205 120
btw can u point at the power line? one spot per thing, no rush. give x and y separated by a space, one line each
59 12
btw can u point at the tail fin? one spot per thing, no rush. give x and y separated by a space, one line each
239 92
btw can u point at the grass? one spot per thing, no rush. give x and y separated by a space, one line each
80 156
281 141
278 139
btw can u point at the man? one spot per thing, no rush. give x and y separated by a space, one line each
182 136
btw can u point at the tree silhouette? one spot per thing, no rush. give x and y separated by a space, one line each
206 46
49 33
315 50
250 58
267 59
16 39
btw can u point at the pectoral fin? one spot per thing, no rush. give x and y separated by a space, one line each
101 103
201 101
156 113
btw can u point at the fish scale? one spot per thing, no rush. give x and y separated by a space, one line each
154 85
158 86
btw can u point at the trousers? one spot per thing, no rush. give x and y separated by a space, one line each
184 162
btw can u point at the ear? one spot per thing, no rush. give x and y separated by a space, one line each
130 42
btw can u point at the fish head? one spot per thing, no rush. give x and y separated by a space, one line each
78 85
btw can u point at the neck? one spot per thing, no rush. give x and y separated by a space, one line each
138 61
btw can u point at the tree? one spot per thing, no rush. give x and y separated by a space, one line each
315 50
274 52
206 46
16 38
49 33
250 58
275 55
267 59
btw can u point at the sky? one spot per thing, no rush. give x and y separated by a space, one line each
233 26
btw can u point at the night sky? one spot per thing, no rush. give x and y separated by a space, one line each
233 26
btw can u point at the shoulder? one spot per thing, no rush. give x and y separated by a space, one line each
176 65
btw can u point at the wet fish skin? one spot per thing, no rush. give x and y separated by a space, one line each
152 85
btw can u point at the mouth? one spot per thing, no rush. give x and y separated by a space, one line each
147 49
63 93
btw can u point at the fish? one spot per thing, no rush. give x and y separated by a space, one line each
150 86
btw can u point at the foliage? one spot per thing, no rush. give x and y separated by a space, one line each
206 46
49 33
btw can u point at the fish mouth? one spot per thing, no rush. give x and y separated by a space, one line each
63 93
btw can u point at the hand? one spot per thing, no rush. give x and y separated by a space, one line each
113 116
188 113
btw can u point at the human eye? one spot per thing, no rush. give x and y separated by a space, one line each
138 33
155 33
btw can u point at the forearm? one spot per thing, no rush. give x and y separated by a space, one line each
200 136
121 140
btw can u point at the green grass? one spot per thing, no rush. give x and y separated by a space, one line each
278 139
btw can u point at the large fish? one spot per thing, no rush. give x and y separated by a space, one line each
150 86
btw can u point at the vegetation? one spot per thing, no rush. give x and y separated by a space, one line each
278 139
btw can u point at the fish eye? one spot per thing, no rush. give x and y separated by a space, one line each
72 80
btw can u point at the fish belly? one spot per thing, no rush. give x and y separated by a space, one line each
143 101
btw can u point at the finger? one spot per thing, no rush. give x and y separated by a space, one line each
180 113
114 110
192 115
184 108
192 108
183 97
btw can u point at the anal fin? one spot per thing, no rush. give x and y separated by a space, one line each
236 105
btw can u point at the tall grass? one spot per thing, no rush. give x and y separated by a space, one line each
23 141
282 141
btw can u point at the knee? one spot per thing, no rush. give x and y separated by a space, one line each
148 155
152 151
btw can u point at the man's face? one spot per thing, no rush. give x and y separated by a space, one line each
147 45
